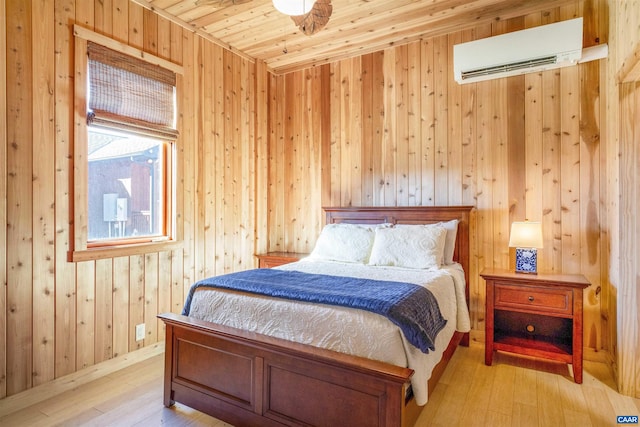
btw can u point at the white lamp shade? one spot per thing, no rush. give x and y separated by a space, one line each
293 7
526 234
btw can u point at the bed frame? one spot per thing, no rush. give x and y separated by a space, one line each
249 379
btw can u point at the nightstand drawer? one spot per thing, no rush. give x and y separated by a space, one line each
557 301
275 259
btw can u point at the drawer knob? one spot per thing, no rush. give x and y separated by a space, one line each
531 329
531 298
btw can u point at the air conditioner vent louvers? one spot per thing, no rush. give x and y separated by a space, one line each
514 66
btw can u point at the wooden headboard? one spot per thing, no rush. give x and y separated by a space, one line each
412 215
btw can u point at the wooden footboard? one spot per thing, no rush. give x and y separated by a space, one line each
249 379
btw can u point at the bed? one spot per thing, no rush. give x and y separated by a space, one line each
249 378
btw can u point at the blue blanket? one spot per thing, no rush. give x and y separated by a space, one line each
411 307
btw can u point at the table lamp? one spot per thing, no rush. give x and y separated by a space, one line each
526 237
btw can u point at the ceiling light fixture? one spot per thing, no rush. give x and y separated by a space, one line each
293 7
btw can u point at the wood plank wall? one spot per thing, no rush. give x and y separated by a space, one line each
402 132
57 316
3 196
624 196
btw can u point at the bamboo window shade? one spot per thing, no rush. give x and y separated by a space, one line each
129 94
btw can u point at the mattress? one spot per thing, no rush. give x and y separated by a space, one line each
342 329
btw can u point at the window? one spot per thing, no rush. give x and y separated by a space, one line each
127 186
125 148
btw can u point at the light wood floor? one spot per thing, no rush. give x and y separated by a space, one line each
513 392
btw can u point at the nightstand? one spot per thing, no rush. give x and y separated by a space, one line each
537 315
274 259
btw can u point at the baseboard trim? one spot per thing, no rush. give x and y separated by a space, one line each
37 394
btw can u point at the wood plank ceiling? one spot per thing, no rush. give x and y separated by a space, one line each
256 30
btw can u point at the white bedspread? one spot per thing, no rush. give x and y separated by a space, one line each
342 329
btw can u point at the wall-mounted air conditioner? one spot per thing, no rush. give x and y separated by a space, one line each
534 49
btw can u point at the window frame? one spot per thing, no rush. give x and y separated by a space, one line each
81 249
168 153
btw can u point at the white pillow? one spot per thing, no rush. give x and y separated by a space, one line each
450 242
411 246
344 242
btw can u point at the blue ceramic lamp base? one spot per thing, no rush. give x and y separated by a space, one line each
527 260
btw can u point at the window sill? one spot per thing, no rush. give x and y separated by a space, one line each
123 250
